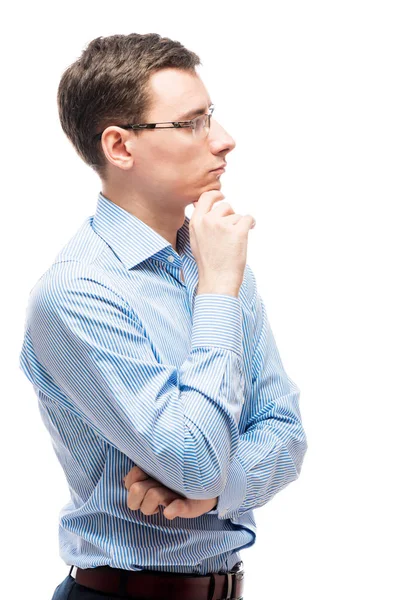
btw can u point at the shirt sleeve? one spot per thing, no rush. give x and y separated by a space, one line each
272 448
85 346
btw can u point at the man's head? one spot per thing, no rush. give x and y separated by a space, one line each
131 79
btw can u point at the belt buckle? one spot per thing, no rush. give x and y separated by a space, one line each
234 575
73 571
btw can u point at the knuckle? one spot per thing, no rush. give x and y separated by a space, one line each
220 224
225 205
136 487
153 493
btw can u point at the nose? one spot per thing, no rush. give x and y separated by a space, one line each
219 138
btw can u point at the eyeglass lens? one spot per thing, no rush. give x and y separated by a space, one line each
202 126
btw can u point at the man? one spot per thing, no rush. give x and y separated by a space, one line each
148 344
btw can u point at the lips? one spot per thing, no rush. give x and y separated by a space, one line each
220 167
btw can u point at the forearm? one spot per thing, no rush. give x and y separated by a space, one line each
269 457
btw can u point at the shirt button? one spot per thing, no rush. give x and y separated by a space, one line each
171 258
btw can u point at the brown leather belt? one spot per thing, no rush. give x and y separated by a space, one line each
154 585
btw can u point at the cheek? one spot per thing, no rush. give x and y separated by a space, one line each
171 159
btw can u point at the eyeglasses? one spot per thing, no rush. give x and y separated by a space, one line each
200 125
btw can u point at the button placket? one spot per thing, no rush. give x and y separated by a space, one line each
171 259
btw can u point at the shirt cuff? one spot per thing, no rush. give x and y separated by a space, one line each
234 492
217 321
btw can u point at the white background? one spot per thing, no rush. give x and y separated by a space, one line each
310 92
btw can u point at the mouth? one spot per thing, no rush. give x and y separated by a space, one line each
221 168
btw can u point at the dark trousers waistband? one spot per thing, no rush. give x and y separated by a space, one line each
152 585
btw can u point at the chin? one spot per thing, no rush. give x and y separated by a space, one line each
214 185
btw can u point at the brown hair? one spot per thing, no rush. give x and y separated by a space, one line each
108 84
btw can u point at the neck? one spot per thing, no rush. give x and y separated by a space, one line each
164 221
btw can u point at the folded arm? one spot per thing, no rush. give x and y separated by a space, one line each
180 425
271 450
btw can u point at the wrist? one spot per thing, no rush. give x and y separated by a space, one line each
217 289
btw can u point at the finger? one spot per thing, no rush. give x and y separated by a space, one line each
223 209
246 223
177 508
135 474
232 219
157 496
137 492
206 201
188 508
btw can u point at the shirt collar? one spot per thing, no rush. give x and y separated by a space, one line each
131 239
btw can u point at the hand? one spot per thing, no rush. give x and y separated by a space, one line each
146 494
219 239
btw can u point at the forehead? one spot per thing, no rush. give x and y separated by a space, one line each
176 90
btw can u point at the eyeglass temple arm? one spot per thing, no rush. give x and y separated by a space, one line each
175 124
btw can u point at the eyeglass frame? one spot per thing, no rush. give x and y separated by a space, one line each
172 124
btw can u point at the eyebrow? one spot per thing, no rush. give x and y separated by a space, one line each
194 113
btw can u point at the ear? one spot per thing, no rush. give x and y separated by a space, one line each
118 146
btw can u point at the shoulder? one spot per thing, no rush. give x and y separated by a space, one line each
71 285
85 246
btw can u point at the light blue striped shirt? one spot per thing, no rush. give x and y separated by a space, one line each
130 366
